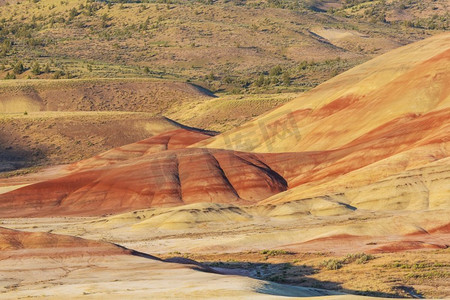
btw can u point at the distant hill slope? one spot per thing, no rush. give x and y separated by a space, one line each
431 14
222 45
48 138
45 122
137 95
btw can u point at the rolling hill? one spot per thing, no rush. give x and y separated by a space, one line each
48 122
77 268
344 188
338 135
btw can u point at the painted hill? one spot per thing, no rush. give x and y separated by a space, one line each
345 138
380 121
49 122
36 243
178 138
51 266
172 177
409 80
359 164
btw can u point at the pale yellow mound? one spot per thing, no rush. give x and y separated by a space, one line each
182 217
410 79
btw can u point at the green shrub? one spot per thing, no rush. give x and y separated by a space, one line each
36 68
260 80
18 68
10 76
47 68
286 78
276 71
332 264
274 252
335 264
58 74
359 258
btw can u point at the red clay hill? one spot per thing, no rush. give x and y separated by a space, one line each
382 126
23 244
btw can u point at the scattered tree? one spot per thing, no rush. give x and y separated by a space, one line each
276 71
286 79
36 68
260 80
10 76
18 68
47 68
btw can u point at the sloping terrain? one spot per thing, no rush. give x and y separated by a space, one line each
222 45
410 13
391 110
393 120
171 177
45 122
49 138
178 138
96 95
38 243
75 268
227 111
360 163
408 80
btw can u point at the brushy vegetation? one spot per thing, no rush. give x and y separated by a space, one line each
359 258
432 15
416 266
275 252
332 264
422 270
336 264
386 276
268 50
429 275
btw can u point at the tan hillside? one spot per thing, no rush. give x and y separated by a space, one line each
44 129
381 144
96 95
45 138
222 45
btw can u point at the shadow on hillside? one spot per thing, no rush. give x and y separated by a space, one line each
203 90
290 276
14 157
205 131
